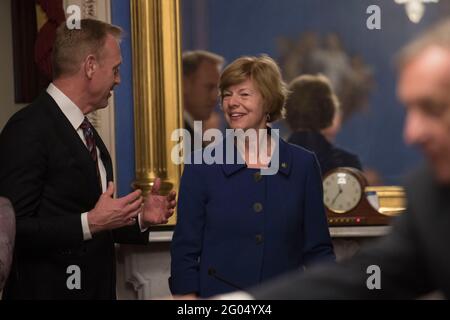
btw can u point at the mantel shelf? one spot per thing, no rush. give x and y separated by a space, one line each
336 232
359 232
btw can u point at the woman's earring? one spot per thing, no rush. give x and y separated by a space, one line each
268 117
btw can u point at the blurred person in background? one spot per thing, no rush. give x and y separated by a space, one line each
312 112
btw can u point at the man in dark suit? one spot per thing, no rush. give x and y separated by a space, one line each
413 259
201 72
57 173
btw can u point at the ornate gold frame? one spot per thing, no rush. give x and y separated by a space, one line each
156 90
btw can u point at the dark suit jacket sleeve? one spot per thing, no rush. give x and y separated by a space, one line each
354 161
316 237
403 273
131 235
22 179
187 239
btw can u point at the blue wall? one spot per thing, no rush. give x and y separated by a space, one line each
240 27
123 94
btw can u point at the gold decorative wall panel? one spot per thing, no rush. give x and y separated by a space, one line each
156 90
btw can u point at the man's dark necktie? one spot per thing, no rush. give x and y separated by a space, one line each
88 132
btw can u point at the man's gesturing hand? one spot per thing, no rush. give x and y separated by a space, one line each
158 209
110 213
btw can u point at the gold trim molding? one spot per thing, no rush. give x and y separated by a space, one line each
155 27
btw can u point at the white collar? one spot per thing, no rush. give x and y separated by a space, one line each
67 106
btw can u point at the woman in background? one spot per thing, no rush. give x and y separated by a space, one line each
312 112
235 227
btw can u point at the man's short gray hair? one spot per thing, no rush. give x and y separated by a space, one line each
438 35
72 46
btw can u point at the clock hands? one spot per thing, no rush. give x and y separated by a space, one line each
339 193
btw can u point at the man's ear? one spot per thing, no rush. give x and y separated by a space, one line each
90 66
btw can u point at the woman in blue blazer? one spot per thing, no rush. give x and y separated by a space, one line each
237 227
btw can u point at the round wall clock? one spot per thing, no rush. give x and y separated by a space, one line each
343 189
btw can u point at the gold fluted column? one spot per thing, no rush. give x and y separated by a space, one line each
156 50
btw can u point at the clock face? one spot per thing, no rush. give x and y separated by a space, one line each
341 192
